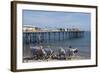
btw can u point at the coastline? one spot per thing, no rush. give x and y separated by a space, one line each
27 56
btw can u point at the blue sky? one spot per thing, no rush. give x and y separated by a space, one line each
53 19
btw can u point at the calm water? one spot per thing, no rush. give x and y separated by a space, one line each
83 44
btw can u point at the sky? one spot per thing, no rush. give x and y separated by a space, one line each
57 19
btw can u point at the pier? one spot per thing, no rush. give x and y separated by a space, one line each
50 36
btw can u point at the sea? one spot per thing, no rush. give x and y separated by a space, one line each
83 44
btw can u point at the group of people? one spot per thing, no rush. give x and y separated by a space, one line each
47 53
41 53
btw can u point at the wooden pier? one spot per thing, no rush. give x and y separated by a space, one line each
49 36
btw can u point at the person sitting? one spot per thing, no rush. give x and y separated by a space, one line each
62 53
72 51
